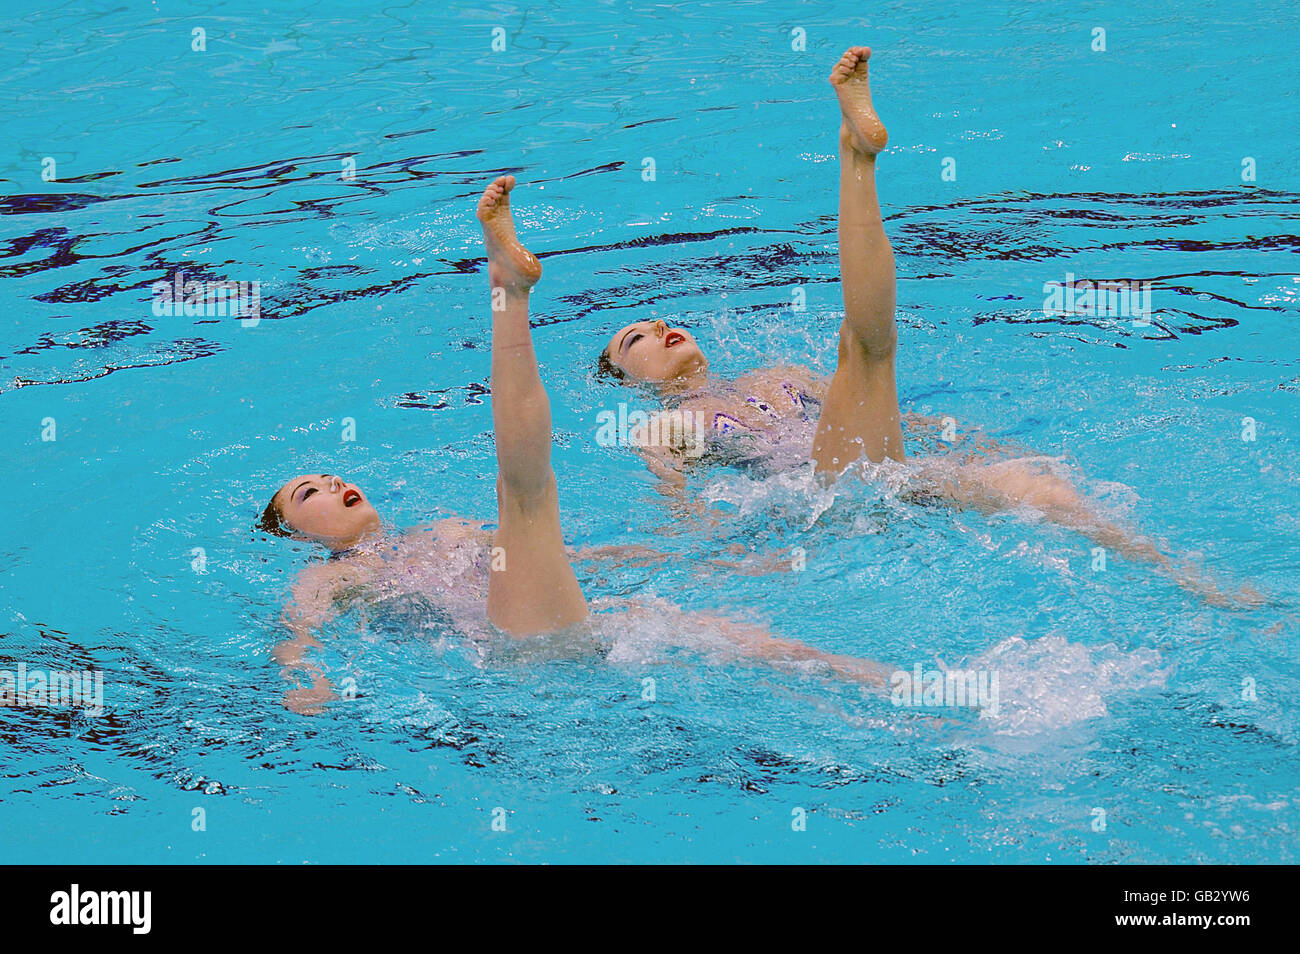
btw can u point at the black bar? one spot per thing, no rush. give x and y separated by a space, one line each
230 904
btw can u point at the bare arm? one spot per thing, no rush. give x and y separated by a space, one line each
621 554
311 606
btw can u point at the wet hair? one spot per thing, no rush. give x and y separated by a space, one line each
607 370
272 521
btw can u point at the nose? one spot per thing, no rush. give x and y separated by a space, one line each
661 328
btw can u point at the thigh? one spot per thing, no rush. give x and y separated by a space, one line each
531 586
860 416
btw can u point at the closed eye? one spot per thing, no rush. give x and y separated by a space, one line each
634 339
307 493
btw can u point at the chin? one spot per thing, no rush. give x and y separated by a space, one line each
691 361
369 525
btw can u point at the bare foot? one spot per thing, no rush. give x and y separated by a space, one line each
310 701
510 265
862 128
1245 598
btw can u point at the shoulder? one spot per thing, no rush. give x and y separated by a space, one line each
316 575
327 576
457 530
800 377
316 585
779 376
705 404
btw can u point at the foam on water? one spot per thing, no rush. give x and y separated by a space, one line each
1051 683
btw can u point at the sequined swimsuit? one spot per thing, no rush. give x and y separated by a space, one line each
724 423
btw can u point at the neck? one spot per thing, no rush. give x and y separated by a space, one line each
338 547
693 380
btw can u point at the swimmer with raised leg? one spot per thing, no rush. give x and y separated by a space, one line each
859 417
530 584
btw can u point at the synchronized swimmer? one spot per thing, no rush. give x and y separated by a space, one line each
520 574
856 414
519 578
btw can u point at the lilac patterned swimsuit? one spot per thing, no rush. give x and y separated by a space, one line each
724 423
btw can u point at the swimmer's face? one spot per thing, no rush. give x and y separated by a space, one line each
326 509
651 351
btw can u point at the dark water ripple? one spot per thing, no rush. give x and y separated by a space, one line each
1025 228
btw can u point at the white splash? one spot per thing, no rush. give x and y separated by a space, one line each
1050 683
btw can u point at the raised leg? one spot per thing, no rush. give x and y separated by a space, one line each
860 416
531 588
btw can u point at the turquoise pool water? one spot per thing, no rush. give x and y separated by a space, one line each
126 541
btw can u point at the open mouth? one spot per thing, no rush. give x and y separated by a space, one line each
351 497
673 338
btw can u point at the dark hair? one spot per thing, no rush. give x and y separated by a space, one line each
607 369
272 521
